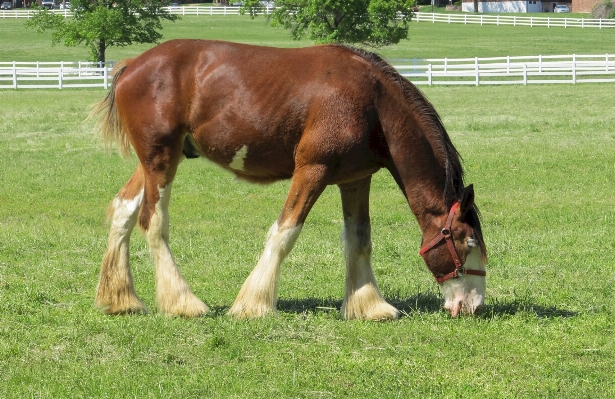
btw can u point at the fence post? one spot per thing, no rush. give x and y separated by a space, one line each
508 64
61 75
540 63
477 71
606 59
106 76
429 80
524 74
446 65
574 69
14 75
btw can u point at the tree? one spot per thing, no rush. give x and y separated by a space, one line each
368 22
100 24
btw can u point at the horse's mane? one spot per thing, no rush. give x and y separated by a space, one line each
436 134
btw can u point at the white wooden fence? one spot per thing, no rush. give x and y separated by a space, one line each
54 75
547 69
524 70
179 10
454 18
514 20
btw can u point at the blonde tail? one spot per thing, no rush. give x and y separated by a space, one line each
109 123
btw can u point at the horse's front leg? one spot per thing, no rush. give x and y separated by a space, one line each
259 293
362 299
115 293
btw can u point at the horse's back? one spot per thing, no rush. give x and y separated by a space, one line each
276 104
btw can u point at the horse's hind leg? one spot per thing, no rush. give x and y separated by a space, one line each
115 293
362 299
173 295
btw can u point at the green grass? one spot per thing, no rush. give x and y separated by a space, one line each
541 159
542 162
426 40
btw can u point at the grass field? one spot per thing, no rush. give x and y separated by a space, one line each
541 159
426 40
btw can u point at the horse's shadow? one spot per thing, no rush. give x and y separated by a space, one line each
429 302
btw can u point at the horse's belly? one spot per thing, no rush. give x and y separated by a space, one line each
261 161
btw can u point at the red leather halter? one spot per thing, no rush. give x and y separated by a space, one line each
446 234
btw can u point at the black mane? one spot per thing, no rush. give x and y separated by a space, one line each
441 141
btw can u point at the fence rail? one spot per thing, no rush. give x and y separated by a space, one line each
541 69
455 18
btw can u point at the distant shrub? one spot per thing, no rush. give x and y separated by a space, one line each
603 10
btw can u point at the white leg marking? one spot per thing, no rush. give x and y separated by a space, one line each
239 159
115 292
259 293
173 294
467 293
362 299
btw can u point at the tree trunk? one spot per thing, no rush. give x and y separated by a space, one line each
475 5
101 50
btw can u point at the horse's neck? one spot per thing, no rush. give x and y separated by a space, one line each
420 174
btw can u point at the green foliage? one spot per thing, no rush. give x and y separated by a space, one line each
104 23
368 22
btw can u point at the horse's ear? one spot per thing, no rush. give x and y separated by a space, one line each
467 199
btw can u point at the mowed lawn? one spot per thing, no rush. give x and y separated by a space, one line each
542 162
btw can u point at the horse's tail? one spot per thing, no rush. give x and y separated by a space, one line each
109 122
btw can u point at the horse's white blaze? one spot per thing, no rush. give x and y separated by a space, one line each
173 294
362 299
467 293
258 295
239 159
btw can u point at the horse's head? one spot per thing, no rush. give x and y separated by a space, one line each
455 254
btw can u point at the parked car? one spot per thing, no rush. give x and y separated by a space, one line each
48 4
6 6
561 8
65 5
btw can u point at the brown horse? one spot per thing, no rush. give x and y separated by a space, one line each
319 115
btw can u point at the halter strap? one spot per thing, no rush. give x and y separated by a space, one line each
446 235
